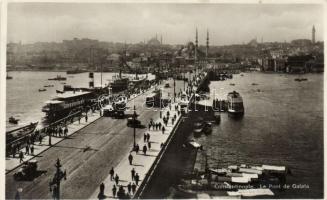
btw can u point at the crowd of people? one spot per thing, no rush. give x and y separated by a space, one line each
118 190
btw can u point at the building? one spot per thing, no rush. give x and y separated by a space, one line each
154 41
298 64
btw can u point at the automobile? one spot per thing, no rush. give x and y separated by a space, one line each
27 171
167 85
108 110
133 123
119 114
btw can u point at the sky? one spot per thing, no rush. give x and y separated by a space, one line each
133 23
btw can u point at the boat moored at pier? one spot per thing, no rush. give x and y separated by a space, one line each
65 103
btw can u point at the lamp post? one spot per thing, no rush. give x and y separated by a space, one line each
160 96
134 121
174 89
50 132
55 182
184 77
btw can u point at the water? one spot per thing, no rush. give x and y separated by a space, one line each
24 101
282 125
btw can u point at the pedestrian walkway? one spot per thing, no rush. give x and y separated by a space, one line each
141 162
13 163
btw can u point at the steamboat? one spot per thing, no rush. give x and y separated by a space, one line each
235 104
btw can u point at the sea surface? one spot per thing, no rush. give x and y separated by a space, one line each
24 101
282 125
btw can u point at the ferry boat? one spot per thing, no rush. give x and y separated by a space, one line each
64 103
235 104
58 78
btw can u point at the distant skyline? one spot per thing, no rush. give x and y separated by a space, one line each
134 23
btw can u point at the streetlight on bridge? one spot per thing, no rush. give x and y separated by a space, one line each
134 127
55 182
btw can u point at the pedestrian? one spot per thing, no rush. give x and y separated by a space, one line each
121 192
159 125
100 112
145 137
117 179
13 150
161 145
163 130
86 118
21 157
148 137
112 172
114 190
33 138
65 131
172 121
144 149
79 120
137 148
133 174
149 145
27 148
60 131
40 139
32 150
149 126
130 158
137 178
133 188
129 187
101 193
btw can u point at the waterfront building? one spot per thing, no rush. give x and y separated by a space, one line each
298 63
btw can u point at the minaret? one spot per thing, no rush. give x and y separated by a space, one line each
313 35
207 47
196 45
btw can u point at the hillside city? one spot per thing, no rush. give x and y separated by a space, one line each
299 55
